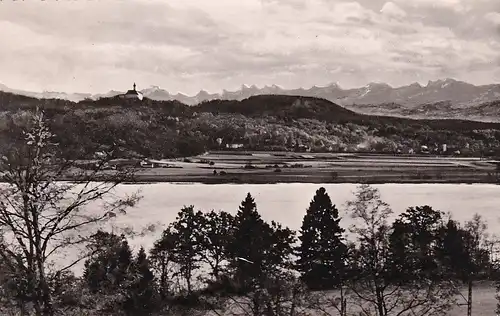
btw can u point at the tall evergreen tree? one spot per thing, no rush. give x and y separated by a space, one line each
108 272
141 298
108 269
322 250
247 250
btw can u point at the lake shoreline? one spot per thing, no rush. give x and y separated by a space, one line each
219 167
284 167
304 179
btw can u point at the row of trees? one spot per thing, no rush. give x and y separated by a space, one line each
415 265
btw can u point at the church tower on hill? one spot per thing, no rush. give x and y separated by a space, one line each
132 94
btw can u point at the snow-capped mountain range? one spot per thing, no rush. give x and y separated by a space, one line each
458 94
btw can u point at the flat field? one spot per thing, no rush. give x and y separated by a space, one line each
286 167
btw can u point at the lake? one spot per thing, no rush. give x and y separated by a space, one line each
287 203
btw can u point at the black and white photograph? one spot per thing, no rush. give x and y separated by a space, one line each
250 157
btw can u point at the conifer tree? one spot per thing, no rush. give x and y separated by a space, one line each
141 298
108 269
257 249
108 273
247 248
322 250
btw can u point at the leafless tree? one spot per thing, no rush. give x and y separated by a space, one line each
478 255
376 291
279 294
41 217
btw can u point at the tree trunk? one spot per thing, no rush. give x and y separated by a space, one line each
188 279
343 302
380 302
48 309
469 298
163 279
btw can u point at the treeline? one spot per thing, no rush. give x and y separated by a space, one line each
214 263
164 129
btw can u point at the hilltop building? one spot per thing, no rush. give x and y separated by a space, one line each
132 94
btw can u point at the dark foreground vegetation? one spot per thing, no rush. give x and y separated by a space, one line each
214 263
162 129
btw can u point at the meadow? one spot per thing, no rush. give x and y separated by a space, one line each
261 167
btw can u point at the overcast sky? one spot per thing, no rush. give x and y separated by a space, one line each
188 45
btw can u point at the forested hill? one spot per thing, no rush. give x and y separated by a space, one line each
265 122
299 107
282 106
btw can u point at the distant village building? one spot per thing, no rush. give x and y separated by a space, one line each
303 148
99 154
132 94
234 146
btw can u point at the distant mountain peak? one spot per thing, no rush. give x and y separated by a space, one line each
458 93
246 87
204 93
377 85
441 81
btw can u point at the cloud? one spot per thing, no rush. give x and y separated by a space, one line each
393 10
188 45
493 17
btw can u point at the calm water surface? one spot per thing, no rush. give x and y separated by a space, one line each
287 203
